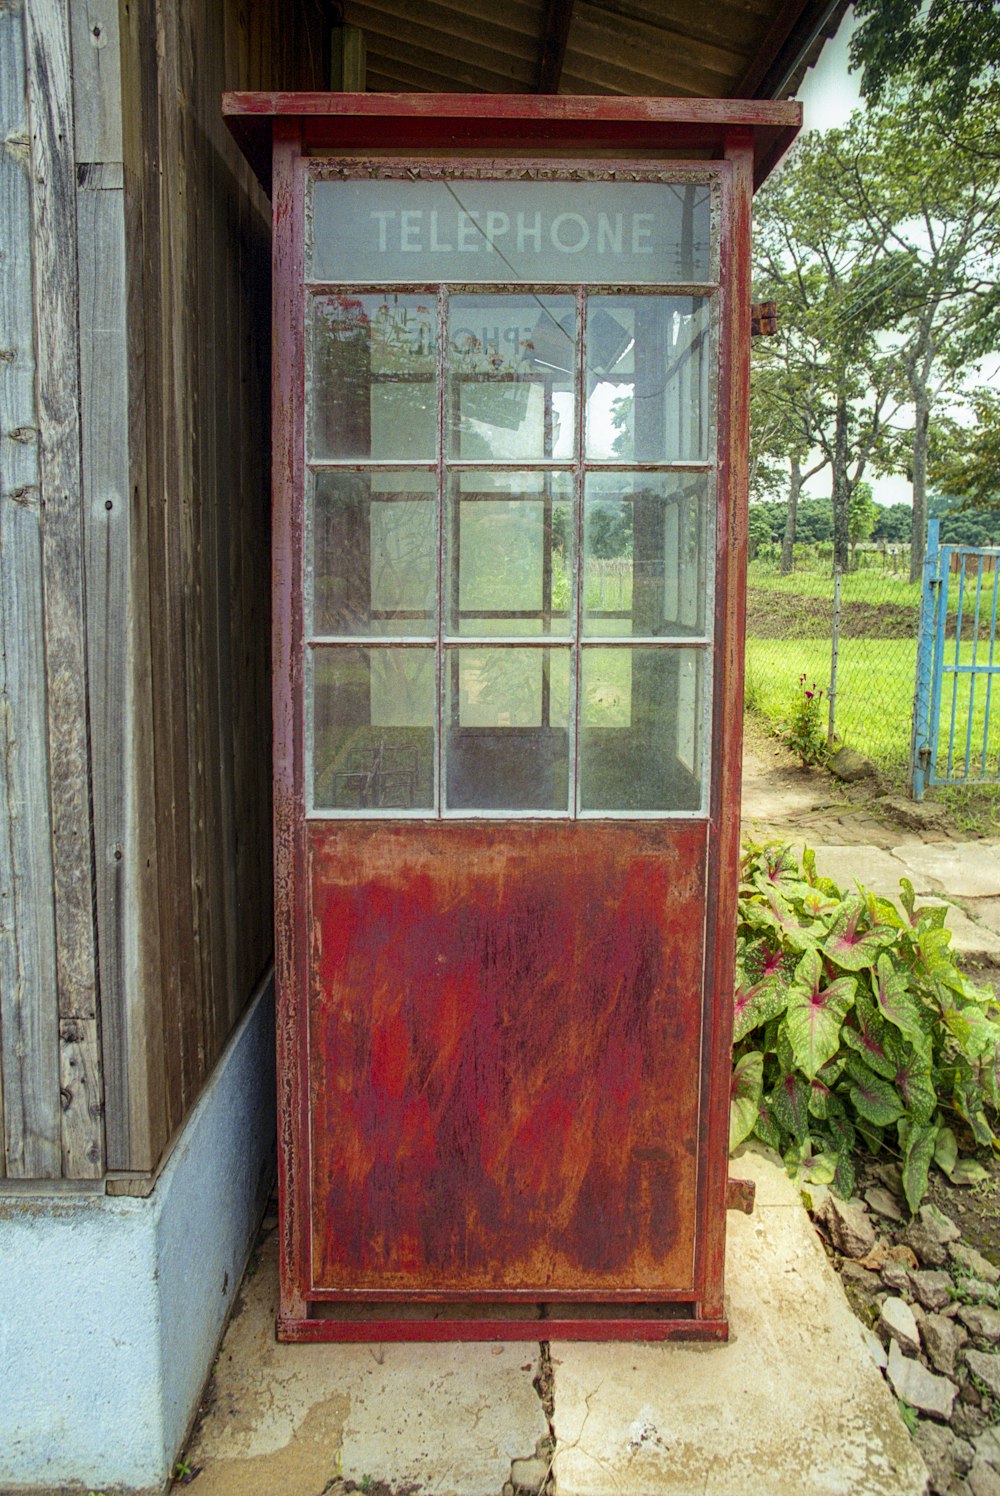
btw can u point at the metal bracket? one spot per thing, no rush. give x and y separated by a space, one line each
740 1194
763 319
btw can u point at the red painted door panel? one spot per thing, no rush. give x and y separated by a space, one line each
504 1039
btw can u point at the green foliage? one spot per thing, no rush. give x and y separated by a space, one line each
853 1024
949 46
802 729
965 462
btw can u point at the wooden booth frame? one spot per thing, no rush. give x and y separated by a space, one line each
731 145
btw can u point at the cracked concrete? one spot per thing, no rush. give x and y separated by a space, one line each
793 1404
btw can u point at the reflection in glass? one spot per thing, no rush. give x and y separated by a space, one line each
507 744
510 554
641 729
646 539
510 378
374 553
646 362
374 386
373 728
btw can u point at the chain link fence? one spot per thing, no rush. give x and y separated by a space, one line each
852 635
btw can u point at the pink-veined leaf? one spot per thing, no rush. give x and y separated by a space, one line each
744 1097
897 1004
757 1005
874 1099
913 1082
789 1102
814 1014
917 1140
808 1168
872 1038
799 936
850 943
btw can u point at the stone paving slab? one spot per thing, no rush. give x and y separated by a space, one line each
443 1419
793 1406
965 870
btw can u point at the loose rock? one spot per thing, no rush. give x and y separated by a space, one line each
874 1347
849 765
982 1321
937 1224
883 1202
986 1367
932 1288
897 1277
530 1474
944 1455
897 1321
924 1391
847 1225
987 1445
943 1340
973 1262
984 1480
931 1251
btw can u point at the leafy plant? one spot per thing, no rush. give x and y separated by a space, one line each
852 1025
802 729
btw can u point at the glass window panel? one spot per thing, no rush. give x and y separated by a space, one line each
373 728
467 231
508 729
641 729
646 543
510 385
647 363
510 549
374 553
374 378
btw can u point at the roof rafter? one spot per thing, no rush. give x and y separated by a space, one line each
558 16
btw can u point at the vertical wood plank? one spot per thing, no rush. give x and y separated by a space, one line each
97 94
29 1058
105 458
53 199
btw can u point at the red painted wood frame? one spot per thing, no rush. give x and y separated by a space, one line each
619 1244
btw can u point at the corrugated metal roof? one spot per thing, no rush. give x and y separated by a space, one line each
679 48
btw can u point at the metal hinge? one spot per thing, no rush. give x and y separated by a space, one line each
763 318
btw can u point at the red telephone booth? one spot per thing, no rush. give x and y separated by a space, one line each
510 465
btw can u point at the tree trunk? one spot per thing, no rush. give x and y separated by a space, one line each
841 491
918 531
788 543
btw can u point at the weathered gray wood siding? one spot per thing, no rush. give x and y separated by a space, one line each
135 865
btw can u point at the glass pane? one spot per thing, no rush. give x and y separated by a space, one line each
646 542
647 378
508 729
374 378
373 728
511 363
641 728
374 553
510 548
624 233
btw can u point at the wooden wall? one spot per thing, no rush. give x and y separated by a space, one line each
135 877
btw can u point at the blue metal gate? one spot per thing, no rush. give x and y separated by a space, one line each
955 738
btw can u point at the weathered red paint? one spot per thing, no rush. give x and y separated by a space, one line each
503 1049
517 1106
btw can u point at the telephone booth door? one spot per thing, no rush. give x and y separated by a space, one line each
510 424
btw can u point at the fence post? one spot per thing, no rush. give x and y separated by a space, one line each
920 738
831 699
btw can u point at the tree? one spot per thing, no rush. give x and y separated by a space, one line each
892 523
861 516
965 460
840 388
926 218
949 47
781 432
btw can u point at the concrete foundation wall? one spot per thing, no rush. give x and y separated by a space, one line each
112 1307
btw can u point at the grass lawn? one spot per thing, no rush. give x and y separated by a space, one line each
875 679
